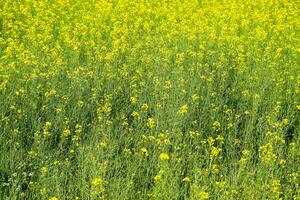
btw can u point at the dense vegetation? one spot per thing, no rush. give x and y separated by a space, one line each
140 99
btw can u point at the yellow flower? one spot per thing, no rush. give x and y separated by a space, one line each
67 132
282 163
246 152
298 107
186 179
266 153
195 97
135 114
216 125
215 152
157 177
53 198
220 138
75 138
44 170
144 151
58 110
97 182
80 104
164 156
56 162
50 93
31 183
145 107
48 125
183 109
203 195
221 184
215 169
150 122
43 190
275 187
133 100
78 128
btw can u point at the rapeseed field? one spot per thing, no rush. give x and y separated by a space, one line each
149 99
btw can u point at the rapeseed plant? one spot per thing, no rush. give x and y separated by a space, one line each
149 99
